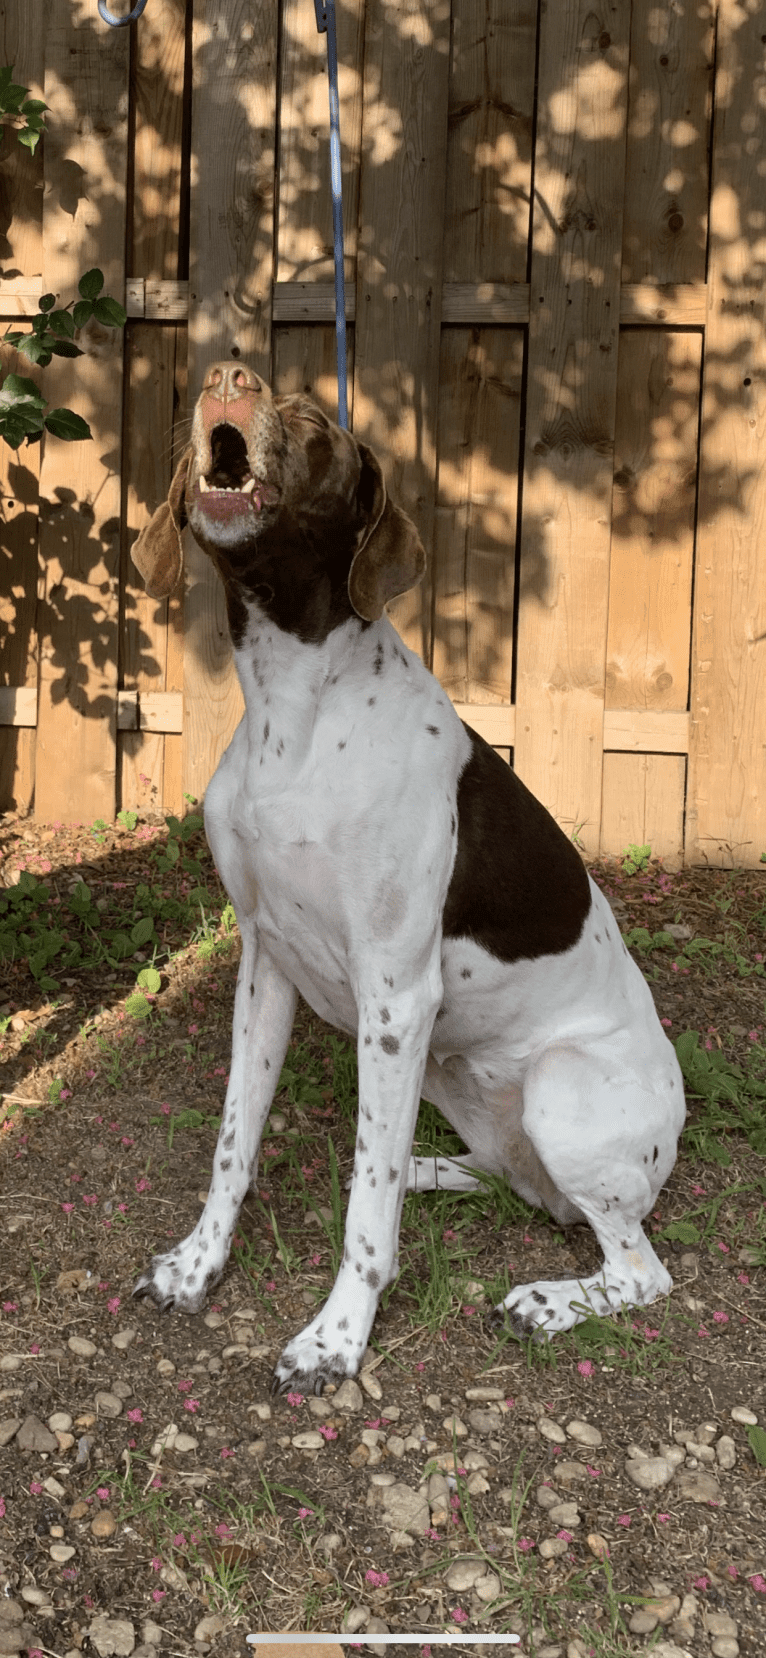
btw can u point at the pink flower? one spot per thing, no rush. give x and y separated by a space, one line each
662 1518
113 1305
666 1022
699 1191
377 1579
720 1318
2 1508
295 1398
35 1487
102 1491
135 1415
303 1513
624 1520
650 1335
566 1536
222 1530
525 1544
155 1563
585 1367
225 1452
179 1541
327 1432
90 1198
67 1208
143 1185
595 1473
191 1405
758 1583
700 1582
185 1386
458 1615
10 1306
732 1571
159 1594
724 1248
468 1311
742 1278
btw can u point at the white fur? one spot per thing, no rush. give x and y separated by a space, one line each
330 822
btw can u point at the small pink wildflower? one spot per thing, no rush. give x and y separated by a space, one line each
135 1415
525 1544
159 1594
732 1572
758 1583
113 1305
699 1191
102 1491
700 1582
303 1513
702 1332
377 1579
295 1399
595 1473
2 1508
666 1022
10 1306
179 1541
458 1615
226 1452
191 1405
90 1198
143 1185
155 1563
67 1208
468 1311
724 1248
662 1518
327 1432
720 1318
624 1520
585 1367
35 1487
185 1386
165 1109
566 1536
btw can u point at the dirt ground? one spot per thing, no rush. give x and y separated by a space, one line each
154 1497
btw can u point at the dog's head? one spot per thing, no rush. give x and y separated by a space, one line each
276 493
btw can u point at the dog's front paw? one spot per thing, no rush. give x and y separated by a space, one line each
321 1353
177 1282
542 1310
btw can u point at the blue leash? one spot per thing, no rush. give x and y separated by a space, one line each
325 14
120 22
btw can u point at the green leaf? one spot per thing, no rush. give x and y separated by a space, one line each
90 285
30 139
142 931
34 106
61 322
15 385
149 979
110 312
137 1005
82 313
682 1231
66 348
37 350
47 303
127 820
63 423
757 1442
12 97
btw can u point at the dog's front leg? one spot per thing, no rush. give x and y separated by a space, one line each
264 1007
394 1037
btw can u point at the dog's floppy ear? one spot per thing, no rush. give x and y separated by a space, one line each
390 558
158 551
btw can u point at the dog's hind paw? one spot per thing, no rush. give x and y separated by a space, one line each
145 1290
171 1288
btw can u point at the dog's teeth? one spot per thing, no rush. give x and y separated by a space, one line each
204 486
247 489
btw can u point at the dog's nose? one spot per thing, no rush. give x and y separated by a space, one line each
229 381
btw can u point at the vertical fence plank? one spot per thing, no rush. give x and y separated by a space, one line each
86 86
644 805
574 307
304 231
650 585
489 149
398 306
475 528
667 166
230 278
727 761
305 360
21 177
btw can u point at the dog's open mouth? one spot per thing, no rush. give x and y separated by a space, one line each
230 487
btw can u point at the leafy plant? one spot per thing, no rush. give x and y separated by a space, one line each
635 860
16 103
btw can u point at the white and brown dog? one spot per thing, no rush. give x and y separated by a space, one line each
386 863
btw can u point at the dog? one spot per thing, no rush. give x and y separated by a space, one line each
384 861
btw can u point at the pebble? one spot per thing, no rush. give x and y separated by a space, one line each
650 1474
565 1514
11 1361
184 1442
59 1422
53 1488
309 1440
464 1574
403 1509
214 1320
214 1624
724 1646
484 1394
699 1488
433 1402
643 1621
9 1427
61 1552
487 1588
455 1425
726 1452
83 1348
551 1547
570 1473
108 1404
123 1339
545 1495
746 1418
263 1411
584 1433
104 1524
166 1367
371 1385
34 1436
355 1619
598 1545
348 1396
552 1431
719 1623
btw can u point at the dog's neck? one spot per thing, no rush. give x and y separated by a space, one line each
284 681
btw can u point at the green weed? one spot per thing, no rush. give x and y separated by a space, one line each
635 860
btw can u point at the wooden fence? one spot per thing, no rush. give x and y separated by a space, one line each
556 265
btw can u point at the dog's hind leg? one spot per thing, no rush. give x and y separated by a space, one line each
607 1138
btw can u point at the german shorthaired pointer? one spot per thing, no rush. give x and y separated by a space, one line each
386 863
